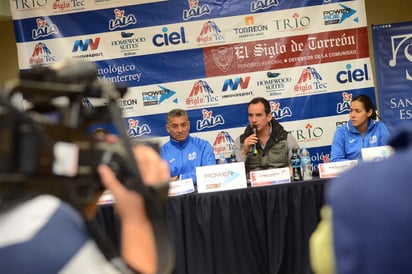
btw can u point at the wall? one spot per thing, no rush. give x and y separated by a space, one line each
378 12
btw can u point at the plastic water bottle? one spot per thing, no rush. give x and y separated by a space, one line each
222 159
295 162
306 164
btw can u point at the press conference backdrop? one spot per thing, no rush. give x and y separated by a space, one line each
393 58
307 57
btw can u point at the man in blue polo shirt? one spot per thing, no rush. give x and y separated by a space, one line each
184 152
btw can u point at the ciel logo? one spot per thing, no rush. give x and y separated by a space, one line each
167 38
353 75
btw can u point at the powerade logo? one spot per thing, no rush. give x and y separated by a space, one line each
167 38
209 121
41 54
279 113
344 106
121 21
136 130
195 10
353 75
339 15
263 5
43 29
156 97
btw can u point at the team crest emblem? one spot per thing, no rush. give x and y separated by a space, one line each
223 58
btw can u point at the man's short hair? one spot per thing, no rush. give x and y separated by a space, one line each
260 100
177 112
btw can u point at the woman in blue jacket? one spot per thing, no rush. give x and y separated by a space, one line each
362 131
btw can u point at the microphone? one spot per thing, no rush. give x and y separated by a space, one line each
254 149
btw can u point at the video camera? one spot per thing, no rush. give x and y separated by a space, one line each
47 148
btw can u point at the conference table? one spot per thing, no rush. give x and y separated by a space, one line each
253 230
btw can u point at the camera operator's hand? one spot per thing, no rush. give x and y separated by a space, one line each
138 243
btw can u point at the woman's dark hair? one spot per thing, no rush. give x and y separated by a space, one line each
368 104
260 100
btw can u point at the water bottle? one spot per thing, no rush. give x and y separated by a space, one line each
306 164
295 162
222 159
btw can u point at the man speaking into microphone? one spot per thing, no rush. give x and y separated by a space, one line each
265 143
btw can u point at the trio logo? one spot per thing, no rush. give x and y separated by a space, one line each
344 106
295 23
195 10
279 113
29 4
136 130
173 38
309 134
243 83
121 20
84 45
209 121
353 75
263 5
43 29
338 16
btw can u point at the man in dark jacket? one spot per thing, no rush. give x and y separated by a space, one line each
265 143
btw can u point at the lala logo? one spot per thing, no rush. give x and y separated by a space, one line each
279 113
121 21
345 105
263 4
195 10
136 130
43 29
209 121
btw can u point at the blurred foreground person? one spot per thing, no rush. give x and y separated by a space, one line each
367 220
45 235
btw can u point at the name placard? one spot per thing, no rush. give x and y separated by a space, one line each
221 177
181 187
270 176
330 170
373 154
